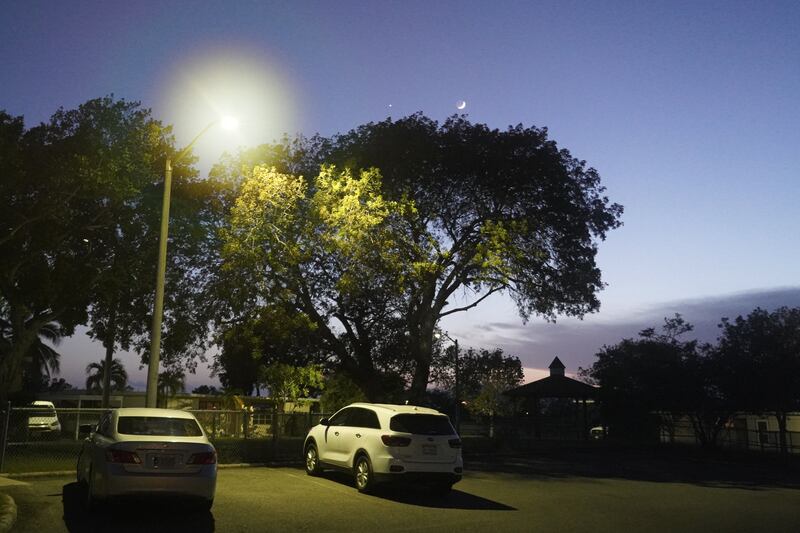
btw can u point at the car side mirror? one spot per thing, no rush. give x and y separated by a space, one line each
323 421
85 429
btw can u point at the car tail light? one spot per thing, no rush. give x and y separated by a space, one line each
205 458
122 456
455 443
391 440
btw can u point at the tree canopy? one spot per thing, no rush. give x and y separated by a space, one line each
78 225
758 358
416 221
658 377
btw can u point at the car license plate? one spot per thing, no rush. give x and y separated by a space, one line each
161 461
428 449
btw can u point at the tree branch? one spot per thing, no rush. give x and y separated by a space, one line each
473 304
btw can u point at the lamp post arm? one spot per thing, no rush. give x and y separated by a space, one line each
189 146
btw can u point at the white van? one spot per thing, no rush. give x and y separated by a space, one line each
43 420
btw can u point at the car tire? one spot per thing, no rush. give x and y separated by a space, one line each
205 505
363 475
312 460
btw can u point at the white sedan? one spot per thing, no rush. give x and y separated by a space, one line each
147 452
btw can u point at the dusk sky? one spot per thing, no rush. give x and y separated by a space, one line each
690 111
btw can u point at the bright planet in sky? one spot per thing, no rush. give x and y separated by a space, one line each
461 104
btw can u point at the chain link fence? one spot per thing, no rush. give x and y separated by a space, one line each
46 440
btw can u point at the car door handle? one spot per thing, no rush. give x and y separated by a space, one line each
358 435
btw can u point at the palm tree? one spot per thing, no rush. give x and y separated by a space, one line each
41 358
171 382
117 373
41 362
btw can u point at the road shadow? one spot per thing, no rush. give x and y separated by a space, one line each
653 465
148 516
422 496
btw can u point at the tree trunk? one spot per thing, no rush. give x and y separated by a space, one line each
422 355
781 416
111 340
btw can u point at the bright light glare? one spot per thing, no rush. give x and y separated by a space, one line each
218 85
229 123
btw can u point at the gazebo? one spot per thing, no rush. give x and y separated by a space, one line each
556 385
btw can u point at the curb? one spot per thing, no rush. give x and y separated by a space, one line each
8 512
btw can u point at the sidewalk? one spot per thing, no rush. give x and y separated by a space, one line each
8 508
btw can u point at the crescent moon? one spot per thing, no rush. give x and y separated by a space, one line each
461 104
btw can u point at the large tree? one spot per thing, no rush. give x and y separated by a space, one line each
325 252
81 207
55 194
463 211
657 378
758 359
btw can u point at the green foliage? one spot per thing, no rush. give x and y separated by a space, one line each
374 260
339 391
484 376
320 252
288 383
81 205
274 334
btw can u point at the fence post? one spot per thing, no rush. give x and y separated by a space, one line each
4 437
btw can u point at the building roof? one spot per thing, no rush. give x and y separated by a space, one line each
555 387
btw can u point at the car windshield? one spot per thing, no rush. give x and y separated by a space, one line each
158 425
422 424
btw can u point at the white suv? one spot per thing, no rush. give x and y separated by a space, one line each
381 442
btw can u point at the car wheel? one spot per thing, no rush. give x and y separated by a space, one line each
365 480
312 460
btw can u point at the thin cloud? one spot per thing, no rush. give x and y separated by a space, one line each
576 342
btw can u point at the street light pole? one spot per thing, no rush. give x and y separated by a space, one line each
458 391
158 305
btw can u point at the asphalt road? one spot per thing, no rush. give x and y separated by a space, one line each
511 495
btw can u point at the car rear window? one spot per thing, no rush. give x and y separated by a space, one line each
158 425
421 424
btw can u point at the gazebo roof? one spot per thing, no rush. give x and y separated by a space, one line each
556 385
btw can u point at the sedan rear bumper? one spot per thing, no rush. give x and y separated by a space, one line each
202 484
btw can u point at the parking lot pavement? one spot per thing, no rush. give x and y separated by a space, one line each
286 499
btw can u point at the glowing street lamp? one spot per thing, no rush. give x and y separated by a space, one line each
228 123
